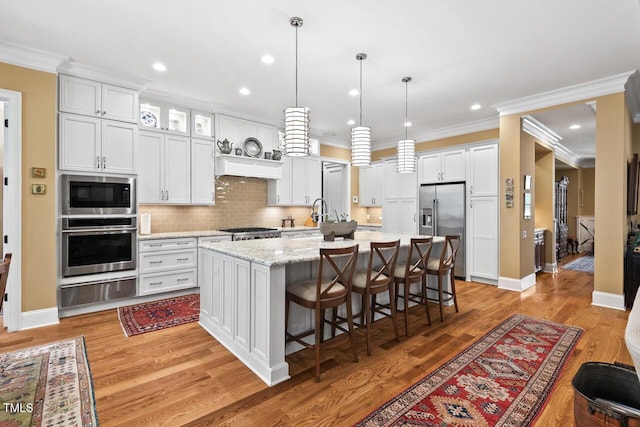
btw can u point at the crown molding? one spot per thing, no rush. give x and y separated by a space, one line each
28 57
632 96
552 141
445 132
178 100
579 92
94 73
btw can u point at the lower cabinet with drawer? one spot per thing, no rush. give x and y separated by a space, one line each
167 265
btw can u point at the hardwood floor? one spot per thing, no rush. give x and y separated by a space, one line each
182 376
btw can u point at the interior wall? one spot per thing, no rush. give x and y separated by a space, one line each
573 192
510 216
527 167
39 250
543 187
588 185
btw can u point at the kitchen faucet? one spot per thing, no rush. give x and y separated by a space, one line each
314 215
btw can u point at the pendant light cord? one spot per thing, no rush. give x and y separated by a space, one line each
296 66
406 108
360 92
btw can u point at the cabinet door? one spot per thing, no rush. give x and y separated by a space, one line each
280 189
483 237
392 180
119 103
453 166
391 216
268 136
177 120
177 170
79 143
314 178
119 147
483 171
229 128
80 96
408 185
408 214
202 125
429 168
151 168
202 177
299 195
367 186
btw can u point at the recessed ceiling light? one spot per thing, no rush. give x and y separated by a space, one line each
267 59
351 122
354 92
244 91
574 127
476 107
408 124
159 66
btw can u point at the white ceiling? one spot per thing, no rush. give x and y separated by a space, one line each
458 52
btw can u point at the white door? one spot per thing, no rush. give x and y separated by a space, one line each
429 168
119 147
177 169
80 96
151 168
453 165
483 237
202 177
483 174
408 214
334 188
314 178
79 143
391 216
299 195
119 103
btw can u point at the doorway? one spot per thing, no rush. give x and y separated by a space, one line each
335 189
11 149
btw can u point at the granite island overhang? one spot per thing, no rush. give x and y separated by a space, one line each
242 293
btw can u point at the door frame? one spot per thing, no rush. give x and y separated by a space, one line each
12 206
347 169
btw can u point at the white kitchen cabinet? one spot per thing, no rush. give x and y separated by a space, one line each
238 130
202 172
445 166
164 174
167 265
483 239
159 116
300 233
279 190
94 145
371 185
398 185
399 216
96 99
483 171
202 125
306 180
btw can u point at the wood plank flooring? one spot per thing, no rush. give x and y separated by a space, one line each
182 376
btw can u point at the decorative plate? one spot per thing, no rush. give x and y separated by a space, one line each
252 147
147 118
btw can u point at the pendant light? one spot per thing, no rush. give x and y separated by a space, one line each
296 119
406 146
361 135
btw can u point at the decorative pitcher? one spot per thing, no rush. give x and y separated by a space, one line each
276 155
225 146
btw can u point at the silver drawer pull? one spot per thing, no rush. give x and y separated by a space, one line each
184 279
184 243
155 283
182 259
156 262
155 245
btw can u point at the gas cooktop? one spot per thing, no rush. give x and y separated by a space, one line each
247 229
250 233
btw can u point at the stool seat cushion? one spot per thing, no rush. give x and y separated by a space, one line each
360 280
400 271
306 289
433 264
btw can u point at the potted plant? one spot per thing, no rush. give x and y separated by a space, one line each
338 226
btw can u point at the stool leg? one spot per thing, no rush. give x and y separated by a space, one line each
453 289
425 299
392 304
406 307
319 323
440 302
286 318
350 323
366 308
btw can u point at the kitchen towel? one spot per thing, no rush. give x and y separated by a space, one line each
145 224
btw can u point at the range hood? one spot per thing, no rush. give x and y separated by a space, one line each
228 164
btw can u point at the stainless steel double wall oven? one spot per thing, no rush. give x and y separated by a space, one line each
98 239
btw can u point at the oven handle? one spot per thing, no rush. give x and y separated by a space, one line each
100 230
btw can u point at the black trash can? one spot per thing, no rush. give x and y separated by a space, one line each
606 395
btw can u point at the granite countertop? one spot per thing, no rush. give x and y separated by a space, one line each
297 228
183 234
288 251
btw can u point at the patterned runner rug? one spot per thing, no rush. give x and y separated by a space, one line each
584 264
153 316
47 385
504 378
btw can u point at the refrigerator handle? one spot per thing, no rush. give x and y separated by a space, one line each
435 217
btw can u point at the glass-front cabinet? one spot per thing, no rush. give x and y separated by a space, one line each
163 117
201 124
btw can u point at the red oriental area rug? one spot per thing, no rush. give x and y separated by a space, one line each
504 378
153 316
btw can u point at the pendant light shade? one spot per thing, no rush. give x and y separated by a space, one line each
361 135
406 147
296 119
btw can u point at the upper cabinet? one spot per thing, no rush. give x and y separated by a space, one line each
371 180
164 117
446 166
238 130
398 185
300 185
483 170
96 99
202 172
202 125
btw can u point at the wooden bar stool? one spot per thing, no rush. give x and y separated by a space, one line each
414 271
329 289
376 280
442 266
4 274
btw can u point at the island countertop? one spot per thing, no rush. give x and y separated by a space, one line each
271 252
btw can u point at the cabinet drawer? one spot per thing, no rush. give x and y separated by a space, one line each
166 244
158 283
212 239
152 262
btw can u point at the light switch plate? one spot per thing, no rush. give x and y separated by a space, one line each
524 234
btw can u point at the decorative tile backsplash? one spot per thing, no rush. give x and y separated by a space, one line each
240 202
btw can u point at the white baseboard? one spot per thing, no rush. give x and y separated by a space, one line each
39 318
550 267
607 300
518 285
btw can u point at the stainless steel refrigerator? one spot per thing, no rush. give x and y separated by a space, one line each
442 212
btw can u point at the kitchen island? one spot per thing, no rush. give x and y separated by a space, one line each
242 293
